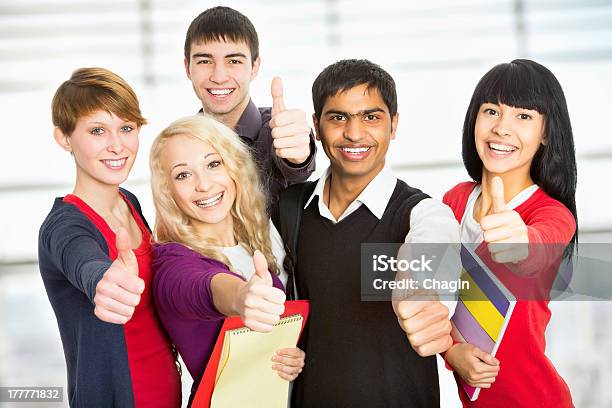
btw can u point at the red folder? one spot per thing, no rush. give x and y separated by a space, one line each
207 385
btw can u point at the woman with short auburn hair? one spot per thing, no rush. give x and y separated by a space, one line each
95 254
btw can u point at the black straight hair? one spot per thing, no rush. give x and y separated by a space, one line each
526 84
349 73
222 24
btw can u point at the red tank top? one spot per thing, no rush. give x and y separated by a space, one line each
155 378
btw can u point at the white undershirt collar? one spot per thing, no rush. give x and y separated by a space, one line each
375 195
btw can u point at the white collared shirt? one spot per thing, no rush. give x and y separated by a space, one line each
375 196
430 220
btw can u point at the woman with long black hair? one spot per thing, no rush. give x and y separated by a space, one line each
518 148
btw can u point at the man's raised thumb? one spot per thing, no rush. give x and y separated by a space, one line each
261 267
278 103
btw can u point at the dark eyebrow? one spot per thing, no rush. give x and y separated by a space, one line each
207 55
360 113
201 55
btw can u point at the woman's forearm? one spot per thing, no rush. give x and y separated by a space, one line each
225 289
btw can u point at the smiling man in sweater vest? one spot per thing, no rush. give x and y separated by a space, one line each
357 353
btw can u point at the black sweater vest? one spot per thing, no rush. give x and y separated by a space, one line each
356 353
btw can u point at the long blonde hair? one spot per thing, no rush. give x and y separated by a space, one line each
250 219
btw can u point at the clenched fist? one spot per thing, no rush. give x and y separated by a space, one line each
427 325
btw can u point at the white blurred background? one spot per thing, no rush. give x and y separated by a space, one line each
436 51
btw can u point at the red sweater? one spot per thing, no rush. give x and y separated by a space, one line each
527 378
155 377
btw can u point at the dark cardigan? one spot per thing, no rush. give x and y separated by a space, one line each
72 257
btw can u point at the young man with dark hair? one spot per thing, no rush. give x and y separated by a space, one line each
221 60
357 354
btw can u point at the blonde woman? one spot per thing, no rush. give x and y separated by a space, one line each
217 253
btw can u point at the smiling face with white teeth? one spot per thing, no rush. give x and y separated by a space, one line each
200 184
221 73
355 130
104 147
507 139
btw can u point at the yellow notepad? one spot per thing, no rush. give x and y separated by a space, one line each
245 377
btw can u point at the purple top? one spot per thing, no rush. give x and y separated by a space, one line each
183 297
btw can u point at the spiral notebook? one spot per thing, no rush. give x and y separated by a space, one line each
239 372
484 310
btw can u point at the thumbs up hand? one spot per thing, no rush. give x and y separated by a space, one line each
259 303
118 292
290 130
502 227
426 323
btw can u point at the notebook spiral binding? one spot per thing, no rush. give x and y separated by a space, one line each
284 320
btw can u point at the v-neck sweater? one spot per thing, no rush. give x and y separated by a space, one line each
356 353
